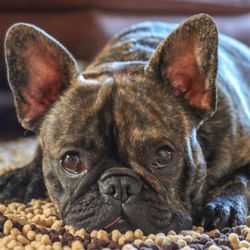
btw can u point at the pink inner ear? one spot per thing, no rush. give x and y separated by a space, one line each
45 80
184 74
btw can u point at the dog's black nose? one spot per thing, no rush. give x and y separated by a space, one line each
121 183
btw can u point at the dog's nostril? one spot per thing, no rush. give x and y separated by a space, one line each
112 190
110 186
115 191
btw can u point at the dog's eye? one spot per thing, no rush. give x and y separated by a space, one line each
163 157
72 163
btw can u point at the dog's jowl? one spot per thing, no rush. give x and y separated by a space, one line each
154 134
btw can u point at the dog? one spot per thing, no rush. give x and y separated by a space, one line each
154 134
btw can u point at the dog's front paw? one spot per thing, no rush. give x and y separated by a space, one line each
224 212
22 185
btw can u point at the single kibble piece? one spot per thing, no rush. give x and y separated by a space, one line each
121 240
102 235
7 226
248 237
45 239
115 235
15 232
57 246
214 247
3 208
29 247
137 242
149 241
31 235
138 234
214 233
186 248
128 247
234 240
57 224
129 235
181 243
77 245
187 238
151 236
38 237
159 238
66 248
26 229
171 232
93 234
244 243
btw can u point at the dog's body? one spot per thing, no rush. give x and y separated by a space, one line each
137 140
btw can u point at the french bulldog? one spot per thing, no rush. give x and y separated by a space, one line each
154 134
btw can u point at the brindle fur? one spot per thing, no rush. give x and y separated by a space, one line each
122 109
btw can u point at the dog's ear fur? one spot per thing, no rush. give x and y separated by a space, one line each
187 60
39 70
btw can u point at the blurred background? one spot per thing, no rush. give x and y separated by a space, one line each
84 26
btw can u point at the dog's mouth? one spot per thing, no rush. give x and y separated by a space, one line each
116 221
119 223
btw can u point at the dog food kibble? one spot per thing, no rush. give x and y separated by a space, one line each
102 235
77 245
31 235
129 235
37 226
57 246
138 234
234 240
128 247
115 235
15 232
93 234
181 243
214 247
138 242
244 243
159 239
121 240
7 226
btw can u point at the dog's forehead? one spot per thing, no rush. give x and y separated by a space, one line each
115 95
117 73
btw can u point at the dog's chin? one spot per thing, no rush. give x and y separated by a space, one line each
110 214
124 224
118 223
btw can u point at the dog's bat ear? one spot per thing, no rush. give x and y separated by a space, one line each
39 70
187 60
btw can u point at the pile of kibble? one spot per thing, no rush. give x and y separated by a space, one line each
36 225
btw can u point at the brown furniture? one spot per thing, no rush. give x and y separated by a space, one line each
84 26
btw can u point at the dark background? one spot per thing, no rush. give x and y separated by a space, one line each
84 26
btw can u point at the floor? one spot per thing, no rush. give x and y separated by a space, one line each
17 152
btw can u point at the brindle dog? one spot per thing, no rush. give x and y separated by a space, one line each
151 135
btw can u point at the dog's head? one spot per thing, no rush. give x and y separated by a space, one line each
119 142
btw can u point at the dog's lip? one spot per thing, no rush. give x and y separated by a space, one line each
118 219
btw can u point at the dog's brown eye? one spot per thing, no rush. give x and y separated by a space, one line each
163 157
72 163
